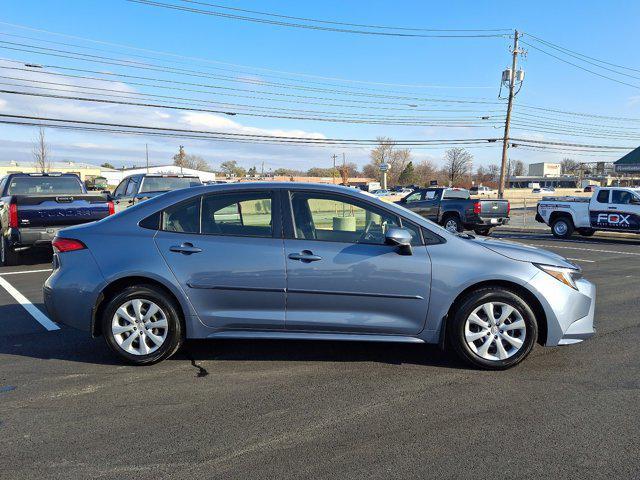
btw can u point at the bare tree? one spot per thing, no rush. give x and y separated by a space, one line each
194 162
386 152
425 171
517 168
458 163
41 152
493 171
568 166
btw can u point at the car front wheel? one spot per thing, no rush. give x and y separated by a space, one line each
493 329
141 325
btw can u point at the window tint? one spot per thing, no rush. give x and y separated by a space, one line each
430 195
44 185
414 197
456 193
338 219
183 217
165 184
119 191
244 214
621 196
603 196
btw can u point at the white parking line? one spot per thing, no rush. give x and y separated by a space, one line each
592 250
34 311
25 271
581 260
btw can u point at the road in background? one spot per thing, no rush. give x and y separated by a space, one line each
275 409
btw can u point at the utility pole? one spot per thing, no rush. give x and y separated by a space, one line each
181 156
146 148
333 172
512 83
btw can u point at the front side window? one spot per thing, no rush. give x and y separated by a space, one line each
120 189
621 196
338 219
243 214
131 188
603 196
414 197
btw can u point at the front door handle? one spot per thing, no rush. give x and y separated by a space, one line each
305 256
613 208
186 248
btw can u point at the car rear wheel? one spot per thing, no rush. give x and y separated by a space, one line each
8 257
493 329
562 227
141 325
453 224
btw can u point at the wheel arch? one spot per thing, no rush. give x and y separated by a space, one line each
118 285
555 215
526 294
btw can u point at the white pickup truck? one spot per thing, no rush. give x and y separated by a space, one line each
614 209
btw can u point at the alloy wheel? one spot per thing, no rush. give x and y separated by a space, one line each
560 227
139 327
495 331
451 225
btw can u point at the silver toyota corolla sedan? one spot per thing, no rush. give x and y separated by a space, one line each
302 261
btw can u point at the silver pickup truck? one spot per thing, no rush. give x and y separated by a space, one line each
614 209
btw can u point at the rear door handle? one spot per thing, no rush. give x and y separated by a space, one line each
186 248
306 256
613 208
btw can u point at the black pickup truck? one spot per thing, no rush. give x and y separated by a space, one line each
456 211
34 206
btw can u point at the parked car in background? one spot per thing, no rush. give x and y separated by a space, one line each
480 190
381 193
613 209
543 190
307 261
456 211
590 188
137 188
34 206
96 183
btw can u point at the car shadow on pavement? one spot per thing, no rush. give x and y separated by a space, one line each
72 345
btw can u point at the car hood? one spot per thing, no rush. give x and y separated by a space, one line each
524 253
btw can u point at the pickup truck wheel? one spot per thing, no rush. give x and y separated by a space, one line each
453 224
8 257
492 329
586 232
562 227
485 232
141 325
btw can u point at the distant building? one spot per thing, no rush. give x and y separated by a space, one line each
83 170
630 163
539 181
544 169
115 176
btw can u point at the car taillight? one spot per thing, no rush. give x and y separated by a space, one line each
508 207
112 209
477 208
67 244
13 215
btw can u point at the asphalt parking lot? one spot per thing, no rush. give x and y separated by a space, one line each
250 409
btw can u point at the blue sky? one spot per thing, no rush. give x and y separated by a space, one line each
469 67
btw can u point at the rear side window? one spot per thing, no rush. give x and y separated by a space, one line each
183 217
603 196
245 215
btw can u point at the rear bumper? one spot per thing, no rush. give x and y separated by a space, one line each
31 237
488 222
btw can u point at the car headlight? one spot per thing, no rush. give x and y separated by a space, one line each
568 276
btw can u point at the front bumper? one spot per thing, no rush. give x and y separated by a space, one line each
570 313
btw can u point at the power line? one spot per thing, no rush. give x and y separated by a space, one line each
316 27
191 59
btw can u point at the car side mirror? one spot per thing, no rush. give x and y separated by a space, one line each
108 195
400 237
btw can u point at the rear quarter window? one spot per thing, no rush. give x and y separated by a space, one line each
603 196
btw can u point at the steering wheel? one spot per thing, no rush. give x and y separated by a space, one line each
371 234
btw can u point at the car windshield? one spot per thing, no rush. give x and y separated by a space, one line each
44 185
165 184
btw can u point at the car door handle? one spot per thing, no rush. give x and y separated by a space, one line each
186 248
306 256
612 208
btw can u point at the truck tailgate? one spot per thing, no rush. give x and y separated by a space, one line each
494 208
59 210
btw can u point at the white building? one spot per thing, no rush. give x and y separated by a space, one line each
544 169
114 176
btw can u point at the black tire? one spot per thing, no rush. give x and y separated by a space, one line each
484 232
175 330
451 221
456 327
586 232
8 257
562 227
